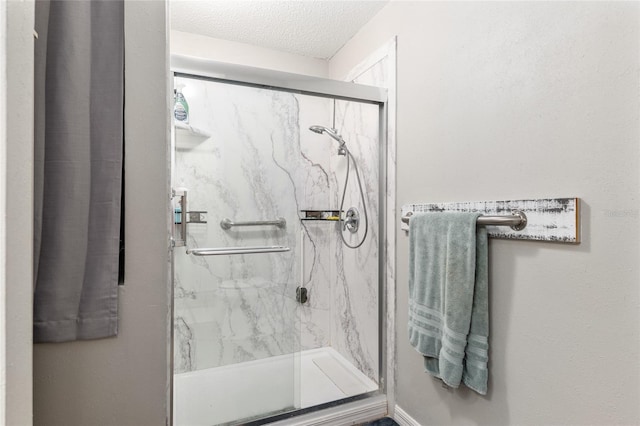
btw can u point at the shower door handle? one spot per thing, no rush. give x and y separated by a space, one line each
222 251
180 217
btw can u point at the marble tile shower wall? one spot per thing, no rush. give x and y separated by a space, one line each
354 320
262 163
355 324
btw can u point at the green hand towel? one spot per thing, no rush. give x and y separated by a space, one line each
448 297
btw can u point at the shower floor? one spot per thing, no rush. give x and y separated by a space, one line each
224 394
327 376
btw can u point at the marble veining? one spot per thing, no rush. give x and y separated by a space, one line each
260 163
379 69
354 325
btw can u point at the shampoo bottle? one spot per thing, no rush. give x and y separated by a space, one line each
181 107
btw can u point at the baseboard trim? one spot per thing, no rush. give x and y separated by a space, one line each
347 414
404 419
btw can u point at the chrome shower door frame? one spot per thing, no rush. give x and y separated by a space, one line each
185 66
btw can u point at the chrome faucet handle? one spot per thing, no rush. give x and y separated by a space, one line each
352 220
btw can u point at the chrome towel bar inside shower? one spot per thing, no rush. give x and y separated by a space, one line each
517 221
222 251
228 223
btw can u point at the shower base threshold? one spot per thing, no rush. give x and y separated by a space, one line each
272 385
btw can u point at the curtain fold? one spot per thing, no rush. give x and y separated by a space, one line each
79 88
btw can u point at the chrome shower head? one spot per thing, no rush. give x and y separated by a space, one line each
318 129
334 134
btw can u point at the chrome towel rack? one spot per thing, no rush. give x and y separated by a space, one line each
222 251
279 222
517 221
541 219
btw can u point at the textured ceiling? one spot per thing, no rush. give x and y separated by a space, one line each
305 27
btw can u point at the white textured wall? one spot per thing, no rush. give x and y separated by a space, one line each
200 46
125 380
16 201
519 100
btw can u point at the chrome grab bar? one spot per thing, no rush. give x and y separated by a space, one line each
228 223
221 251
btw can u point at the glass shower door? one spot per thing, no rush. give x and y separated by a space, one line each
236 331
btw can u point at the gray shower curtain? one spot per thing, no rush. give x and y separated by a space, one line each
79 85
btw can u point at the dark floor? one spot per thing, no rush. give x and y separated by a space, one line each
385 421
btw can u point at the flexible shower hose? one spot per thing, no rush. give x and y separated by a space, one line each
364 204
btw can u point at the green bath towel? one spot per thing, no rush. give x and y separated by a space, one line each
448 297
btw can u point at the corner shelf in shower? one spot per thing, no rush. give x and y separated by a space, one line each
188 137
